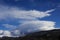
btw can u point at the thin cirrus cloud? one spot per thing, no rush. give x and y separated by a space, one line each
30 23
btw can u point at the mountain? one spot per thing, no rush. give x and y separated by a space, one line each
44 35
40 35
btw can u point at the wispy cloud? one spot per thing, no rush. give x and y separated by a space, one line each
22 14
9 26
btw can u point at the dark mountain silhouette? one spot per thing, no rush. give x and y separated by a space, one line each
44 35
41 35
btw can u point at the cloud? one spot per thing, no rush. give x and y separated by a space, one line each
1 31
31 14
29 26
16 33
28 19
6 12
5 33
39 25
50 10
9 26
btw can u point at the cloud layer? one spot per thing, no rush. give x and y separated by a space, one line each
22 14
30 21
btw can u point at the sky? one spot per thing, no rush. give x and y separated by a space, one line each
19 17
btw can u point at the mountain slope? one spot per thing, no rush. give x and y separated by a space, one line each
44 35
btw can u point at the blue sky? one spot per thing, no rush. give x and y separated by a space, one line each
22 15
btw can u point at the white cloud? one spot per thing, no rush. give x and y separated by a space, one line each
48 11
1 31
5 33
16 33
9 26
37 25
30 17
31 14
6 12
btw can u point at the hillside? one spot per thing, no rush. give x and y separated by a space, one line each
44 35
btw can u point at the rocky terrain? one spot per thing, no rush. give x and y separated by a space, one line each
41 35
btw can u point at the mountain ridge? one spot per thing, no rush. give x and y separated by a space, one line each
44 35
